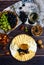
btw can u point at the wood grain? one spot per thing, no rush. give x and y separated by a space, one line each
5 4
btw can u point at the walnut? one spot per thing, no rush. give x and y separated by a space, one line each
39 42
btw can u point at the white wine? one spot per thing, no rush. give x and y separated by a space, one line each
33 12
33 18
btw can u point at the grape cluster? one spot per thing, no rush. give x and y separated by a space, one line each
23 16
4 24
12 19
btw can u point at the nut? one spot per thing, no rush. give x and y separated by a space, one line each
39 42
42 46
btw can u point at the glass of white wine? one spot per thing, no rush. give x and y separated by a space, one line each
33 13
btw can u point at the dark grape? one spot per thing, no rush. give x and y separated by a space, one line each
12 19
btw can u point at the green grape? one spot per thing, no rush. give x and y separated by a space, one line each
4 24
9 27
1 26
26 29
6 30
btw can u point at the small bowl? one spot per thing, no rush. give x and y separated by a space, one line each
36 30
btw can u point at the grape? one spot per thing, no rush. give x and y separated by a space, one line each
12 19
4 24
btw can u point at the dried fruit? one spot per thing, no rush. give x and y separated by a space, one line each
4 39
22 28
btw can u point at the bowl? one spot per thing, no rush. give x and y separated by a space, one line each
36 30
8 20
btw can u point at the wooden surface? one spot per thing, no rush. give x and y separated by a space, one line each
40 52
9 60
4 4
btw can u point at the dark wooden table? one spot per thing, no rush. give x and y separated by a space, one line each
9 60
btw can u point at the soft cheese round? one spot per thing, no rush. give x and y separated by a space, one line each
23 39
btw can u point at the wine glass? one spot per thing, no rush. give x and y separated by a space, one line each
33 15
